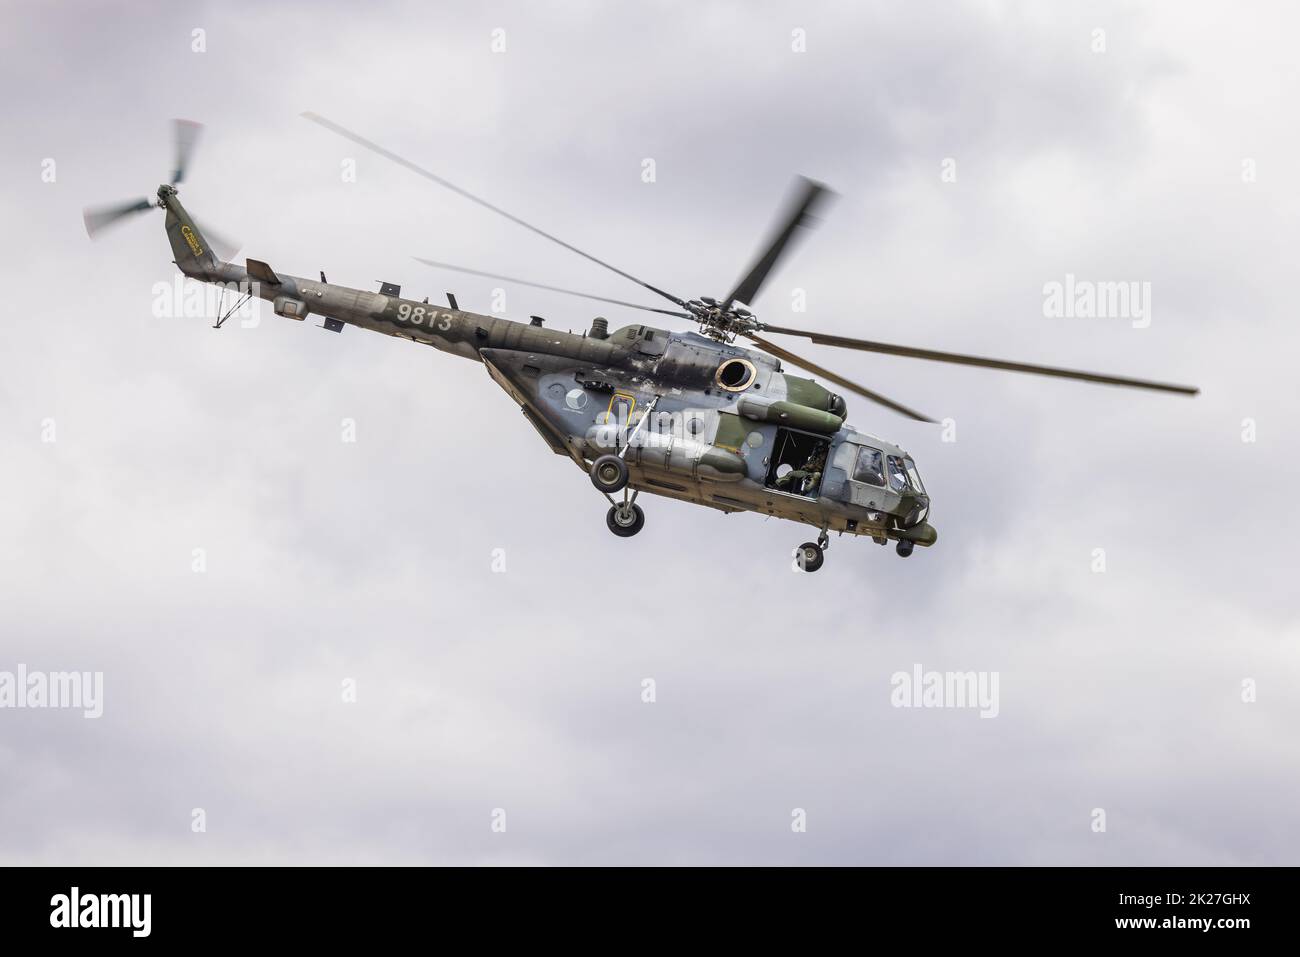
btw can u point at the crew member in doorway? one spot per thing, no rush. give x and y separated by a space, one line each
806 479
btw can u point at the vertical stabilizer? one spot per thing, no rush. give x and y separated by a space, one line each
190 249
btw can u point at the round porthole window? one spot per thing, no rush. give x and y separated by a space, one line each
735 375
694 425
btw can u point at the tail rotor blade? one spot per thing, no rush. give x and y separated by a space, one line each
185 133
101 217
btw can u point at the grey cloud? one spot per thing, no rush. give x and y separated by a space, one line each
372 560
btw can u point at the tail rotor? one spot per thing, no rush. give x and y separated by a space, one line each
98 218
185 136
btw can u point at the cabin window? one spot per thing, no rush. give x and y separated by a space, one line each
870 467
897 476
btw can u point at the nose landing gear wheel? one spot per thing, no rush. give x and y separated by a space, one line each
810 556
609 474
904 548
625 520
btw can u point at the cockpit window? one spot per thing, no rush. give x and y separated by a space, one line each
897 476
870 468
913 475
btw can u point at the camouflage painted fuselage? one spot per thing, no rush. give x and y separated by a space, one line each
720 414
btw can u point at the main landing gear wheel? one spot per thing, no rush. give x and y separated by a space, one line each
810 556
625 520
609 474
904 547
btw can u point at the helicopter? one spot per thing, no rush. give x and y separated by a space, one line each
707 415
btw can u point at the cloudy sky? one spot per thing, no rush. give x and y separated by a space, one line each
130 440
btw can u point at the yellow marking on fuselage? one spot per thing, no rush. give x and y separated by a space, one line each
631 400
192 240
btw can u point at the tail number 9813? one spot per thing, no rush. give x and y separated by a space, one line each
418 315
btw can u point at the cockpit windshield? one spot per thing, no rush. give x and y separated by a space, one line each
897 476
913 475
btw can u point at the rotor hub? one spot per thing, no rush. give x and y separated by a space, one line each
723 323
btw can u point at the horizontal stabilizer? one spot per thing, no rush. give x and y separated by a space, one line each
262 272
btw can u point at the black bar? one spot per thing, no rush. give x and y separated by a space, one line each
925 906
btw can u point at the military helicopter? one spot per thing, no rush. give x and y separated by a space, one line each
690 415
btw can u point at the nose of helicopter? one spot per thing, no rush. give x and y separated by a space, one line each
918 511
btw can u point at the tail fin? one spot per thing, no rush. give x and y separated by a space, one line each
194 255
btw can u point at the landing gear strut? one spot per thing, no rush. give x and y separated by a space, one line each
609 474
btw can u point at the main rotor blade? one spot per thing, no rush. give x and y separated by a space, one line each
433 177
799 212
864 345
100 217
538 285
185 134
812 367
